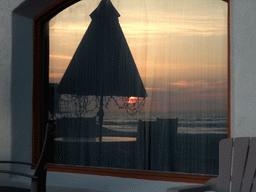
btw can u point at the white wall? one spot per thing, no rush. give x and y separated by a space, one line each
243 68
243 91
6 7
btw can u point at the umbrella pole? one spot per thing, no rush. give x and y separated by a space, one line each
101 114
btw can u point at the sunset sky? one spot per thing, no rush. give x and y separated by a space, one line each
179 47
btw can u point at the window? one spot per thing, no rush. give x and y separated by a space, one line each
181 58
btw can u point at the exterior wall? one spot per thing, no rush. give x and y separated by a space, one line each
243 68
21 88
6 9
15 121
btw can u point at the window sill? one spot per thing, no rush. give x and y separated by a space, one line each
135 174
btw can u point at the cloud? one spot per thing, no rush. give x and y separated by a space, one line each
198 91
66 57
200 84
151 23
157 22
154 89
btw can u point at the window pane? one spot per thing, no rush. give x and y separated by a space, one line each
146 89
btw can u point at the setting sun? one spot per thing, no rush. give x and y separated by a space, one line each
132 100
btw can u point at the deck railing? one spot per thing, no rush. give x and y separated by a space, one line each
154 148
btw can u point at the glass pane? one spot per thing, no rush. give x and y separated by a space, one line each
139 84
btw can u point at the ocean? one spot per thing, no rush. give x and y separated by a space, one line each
189 122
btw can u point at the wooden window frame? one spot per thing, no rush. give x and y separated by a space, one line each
39 102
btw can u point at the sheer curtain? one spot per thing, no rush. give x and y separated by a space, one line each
139 84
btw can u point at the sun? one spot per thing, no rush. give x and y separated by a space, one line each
132 100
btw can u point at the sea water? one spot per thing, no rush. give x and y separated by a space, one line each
189 122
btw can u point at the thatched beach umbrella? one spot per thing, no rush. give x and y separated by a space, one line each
103 64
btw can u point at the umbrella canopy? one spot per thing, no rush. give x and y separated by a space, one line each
103 64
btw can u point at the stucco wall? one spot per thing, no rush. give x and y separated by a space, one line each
243 104
243 68
6 7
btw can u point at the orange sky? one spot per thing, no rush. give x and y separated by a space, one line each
179 47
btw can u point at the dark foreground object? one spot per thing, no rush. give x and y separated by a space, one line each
13 189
